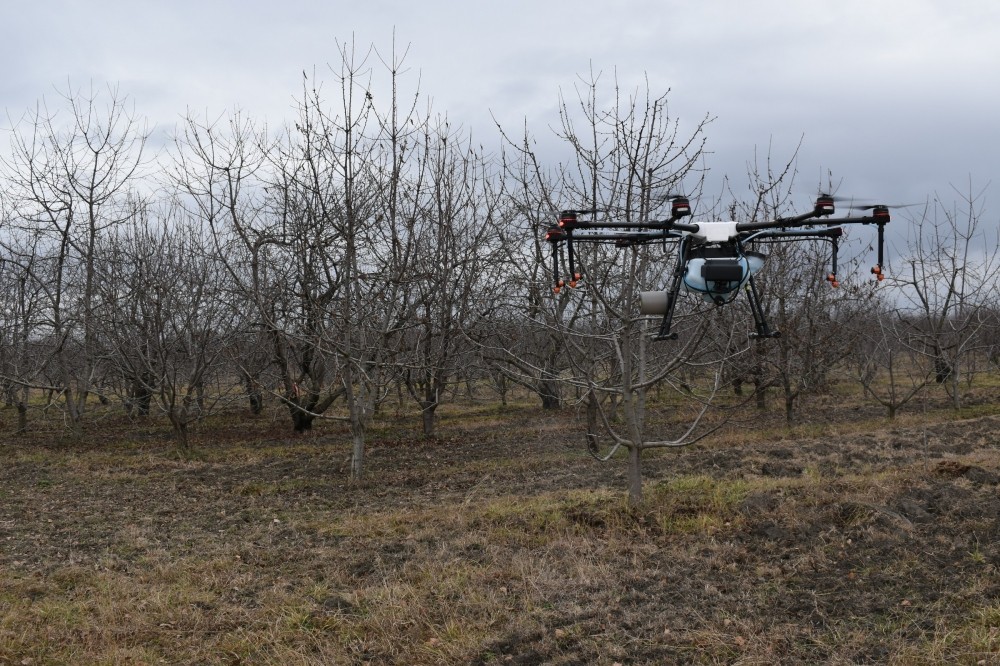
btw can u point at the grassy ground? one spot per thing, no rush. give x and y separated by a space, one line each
846 539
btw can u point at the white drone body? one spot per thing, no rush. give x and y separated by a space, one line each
719 279
716 270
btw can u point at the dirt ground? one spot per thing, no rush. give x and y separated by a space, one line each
500 542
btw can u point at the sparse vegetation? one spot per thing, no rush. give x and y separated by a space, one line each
848 539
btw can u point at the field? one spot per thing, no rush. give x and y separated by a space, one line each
845 539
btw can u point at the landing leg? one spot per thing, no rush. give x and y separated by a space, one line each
675 289
763 330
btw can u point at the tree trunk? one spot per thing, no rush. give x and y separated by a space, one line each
634 475
22 417
592 422
254 393
357 449
761 398
302 420
140 397
548 391
179 423
427 410
256 401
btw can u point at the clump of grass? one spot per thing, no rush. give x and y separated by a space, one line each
694 504
976 640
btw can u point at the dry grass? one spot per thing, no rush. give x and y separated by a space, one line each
839 541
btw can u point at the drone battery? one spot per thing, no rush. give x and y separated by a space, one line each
722 270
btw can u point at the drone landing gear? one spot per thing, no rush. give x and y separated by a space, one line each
675 289
760 323
665 336
665 333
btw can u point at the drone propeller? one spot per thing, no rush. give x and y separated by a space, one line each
880 214
825 202
836 197
890 206
667 196
569 218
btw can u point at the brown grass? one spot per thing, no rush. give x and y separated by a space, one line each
839 541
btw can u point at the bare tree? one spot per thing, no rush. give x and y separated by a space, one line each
70 177
889 361
947 281
22 302
628 155
167 318
352 167
816 322
813 313
453 267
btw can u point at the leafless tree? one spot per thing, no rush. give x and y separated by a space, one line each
813 315
71 176
452 275
627 156
889 361
817 322
522 343
947 282
352 166
22 302
167 316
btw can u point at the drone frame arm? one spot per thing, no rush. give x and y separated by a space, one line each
831 234
786 222
569 222
634 237
652 225
555 267
780 223
877 268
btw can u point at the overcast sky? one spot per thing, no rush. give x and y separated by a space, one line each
899 98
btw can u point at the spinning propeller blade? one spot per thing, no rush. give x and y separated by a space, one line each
893 206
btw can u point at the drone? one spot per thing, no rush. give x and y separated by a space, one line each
714 258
